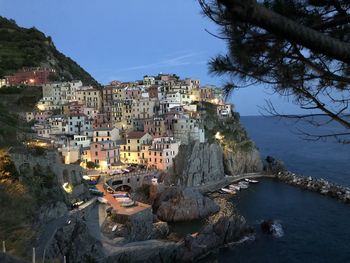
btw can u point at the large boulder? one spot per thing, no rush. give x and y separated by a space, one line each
224 231
75 242
198 164
239 162
140 226
176 204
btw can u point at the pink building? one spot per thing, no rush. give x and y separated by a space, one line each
102 120
133 93
161 153
156 127
39 116
75 108
42 116
105 154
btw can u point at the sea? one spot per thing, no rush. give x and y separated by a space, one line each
313 228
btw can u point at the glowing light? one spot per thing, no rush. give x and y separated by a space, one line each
31 80
41 107
67 187
218 136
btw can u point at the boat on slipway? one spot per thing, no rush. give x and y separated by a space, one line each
228 191
252 181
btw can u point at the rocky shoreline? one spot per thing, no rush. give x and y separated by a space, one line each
318 185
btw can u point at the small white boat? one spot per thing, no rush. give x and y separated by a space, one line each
234 187
114 228
229 191
102 200
127 204
243 185
251 181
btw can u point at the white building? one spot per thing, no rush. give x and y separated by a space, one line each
105 134
187 130
78 123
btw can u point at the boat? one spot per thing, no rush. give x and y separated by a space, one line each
128 203
86 177
243 185
102 200
228 191
114 228
251 181
234 187
120 194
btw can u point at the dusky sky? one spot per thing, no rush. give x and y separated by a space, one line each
125 40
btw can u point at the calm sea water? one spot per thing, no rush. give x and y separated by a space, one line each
316 228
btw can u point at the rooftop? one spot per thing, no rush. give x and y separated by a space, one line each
135 134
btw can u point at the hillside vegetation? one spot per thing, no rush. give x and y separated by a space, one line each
14 102
234 136
21 47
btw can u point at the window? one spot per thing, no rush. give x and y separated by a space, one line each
96 153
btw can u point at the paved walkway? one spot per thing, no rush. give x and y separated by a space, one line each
212 187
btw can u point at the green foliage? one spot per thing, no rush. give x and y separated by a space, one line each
7 167
278 45
21 48
91 165
17 207
234 135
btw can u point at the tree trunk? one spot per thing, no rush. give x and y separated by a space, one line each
250 12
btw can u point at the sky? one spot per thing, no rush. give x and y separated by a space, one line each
125 40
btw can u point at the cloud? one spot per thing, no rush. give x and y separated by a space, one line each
183 58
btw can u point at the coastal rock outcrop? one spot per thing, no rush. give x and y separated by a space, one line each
272 227
75 242
140 226
198 164
240 162
52 211
319 185
225 230
176 204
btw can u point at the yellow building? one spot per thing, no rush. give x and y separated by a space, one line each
130 152
119 93
89 96
143 108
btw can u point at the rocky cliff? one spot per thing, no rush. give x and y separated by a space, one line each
75 242
239 162
176 204
198 164
240 153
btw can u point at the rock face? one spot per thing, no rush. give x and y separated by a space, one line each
225 230
176 204
52 211
140 226
272 227
242 162
198 164
5 258
26 163
74 242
